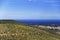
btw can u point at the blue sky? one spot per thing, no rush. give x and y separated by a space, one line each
29 9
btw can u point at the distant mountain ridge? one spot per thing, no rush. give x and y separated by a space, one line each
8 21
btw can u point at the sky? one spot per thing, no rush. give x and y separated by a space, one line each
29 9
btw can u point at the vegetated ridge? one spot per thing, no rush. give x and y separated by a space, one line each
13 30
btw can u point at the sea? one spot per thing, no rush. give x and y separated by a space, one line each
40 22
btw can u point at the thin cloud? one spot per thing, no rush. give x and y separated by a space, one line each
52 2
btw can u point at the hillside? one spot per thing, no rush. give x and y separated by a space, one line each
13 30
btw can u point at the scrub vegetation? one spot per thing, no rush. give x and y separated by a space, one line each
13 30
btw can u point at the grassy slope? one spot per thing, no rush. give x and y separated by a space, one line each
24 32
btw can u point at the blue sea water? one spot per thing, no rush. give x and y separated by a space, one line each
38 22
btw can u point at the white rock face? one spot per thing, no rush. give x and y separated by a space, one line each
49 27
